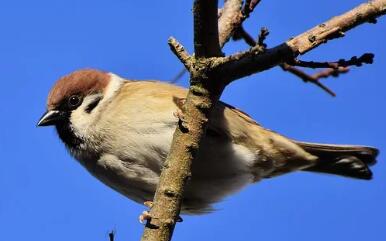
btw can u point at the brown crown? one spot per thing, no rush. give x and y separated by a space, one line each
81 82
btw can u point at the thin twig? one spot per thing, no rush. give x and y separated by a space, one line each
367 58
331 72
337 26
315 78
242 34
262 36
178 76
180 52
230 18
249 6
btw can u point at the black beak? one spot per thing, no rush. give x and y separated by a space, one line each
51 117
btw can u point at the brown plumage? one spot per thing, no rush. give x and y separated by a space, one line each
79 82
121 132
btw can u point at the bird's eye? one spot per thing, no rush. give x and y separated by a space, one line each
74 101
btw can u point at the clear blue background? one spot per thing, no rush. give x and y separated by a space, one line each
46 195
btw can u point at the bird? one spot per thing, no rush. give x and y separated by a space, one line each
121 131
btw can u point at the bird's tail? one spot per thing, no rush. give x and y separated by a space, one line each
343 160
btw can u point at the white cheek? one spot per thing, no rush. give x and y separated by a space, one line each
79 122
80 119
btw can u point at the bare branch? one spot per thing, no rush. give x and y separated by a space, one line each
334 68
262 36
178 76
331 72
253 63
204 92
315 78
206 38
240 56
336 27
230 19
286 67
180 52
233 14
240 33
366 58
249 6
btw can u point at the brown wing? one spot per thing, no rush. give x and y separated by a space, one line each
276 153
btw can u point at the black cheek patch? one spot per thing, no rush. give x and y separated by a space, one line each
93 104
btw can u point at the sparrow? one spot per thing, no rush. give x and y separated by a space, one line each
121 131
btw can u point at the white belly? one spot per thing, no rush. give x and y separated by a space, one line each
134 167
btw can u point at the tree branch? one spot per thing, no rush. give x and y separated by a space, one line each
206 38
233 14
252 63
333 69
204 92
180 52
337 26
314 79
230 19
367 58
249 6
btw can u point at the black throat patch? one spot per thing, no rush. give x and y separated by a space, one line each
66 134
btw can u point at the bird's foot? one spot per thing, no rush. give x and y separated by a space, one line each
178 114
145 216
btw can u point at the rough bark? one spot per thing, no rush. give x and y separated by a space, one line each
230 20
206 38
203 93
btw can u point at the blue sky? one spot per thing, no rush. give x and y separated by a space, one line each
46 195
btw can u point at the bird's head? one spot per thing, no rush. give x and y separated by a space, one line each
73 100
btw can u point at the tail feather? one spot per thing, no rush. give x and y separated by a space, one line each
343 160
